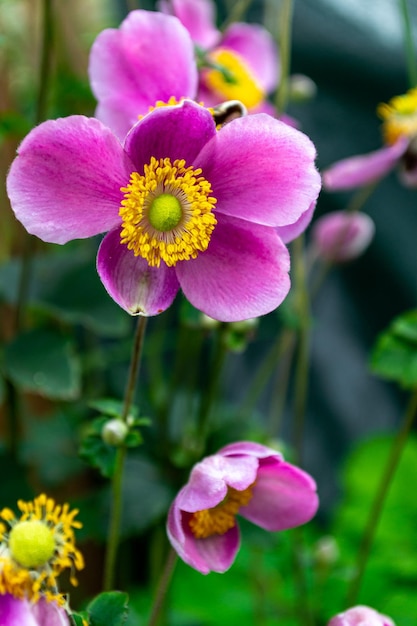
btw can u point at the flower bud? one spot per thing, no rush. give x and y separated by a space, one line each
359 616
341 236
302 88
114 432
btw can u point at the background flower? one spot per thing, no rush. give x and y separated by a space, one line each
360 616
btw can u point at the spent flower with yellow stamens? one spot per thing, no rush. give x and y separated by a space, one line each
399 117
36 547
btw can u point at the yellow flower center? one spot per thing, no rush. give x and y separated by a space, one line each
221 518
167 212
31 543
233 80
399 117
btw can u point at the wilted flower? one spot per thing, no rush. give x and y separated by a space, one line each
342 236
239 64
243 478
360 616
186 205
400 135
35 548
18 612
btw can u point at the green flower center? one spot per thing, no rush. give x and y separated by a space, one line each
31 543
165 212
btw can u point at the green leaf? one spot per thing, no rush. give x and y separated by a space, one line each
43 361
95 451
395 354
109 609
112 407
78 618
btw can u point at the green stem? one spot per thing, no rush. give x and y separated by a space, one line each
380 497
410 52
279 394
117 478
284 34
163 587
238 9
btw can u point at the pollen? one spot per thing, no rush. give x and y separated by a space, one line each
167 213
233 80
221 518
399 117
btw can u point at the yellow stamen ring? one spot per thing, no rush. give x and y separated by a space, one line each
221 518
241 85
399 117
167 212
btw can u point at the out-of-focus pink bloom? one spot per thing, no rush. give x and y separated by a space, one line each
400 135
342 236
21 612
360 616
246 52
243 478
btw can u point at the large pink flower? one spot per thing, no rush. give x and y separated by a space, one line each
245 478
186 205
21 612
360 616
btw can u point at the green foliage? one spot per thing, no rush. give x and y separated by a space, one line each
108 609
395 354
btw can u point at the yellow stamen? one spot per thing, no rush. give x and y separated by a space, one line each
236 81
399 117
167 212
221 518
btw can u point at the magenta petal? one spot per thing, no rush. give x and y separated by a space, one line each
214 554
198 17
249 448
129 64
21 612
363 169
49 614
65 183
177 132
242 274
261 170
292 231
283 497
360 616
138 288
257 48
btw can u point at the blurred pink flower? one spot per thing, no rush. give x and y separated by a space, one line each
21 612
342 236
243 478
360 616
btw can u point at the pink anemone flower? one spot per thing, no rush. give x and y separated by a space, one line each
21 612
243 478
360 616
400 150
246 53
185 205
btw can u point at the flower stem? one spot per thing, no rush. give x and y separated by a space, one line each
162 588
237 10
410 52
380 497
284 34
117 479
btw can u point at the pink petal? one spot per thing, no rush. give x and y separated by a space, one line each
198 17
249 448
283 497
360 616
261 170
177 132
292 231
242 274
257 48
49 614
65 183
363 169
341 236
138 288
128 64
17 612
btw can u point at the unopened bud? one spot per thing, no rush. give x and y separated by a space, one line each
114 432
341 236
302 88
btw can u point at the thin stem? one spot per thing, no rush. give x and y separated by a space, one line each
117 479
284 34
410 52
237 11
163 587
380 497
282 380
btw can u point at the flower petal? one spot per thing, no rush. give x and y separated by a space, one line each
129 64
15 612
138 288
177 132
65 182
249 448
283 497
242 274
198 18
214 554
262 170
292 231
257 48
363 169
49 614
360 616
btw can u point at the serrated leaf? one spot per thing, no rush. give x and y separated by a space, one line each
109 609
43 361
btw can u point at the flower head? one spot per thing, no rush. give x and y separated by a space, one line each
399 130
185 204
360 616
36 547
340 236
242 478
22 612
